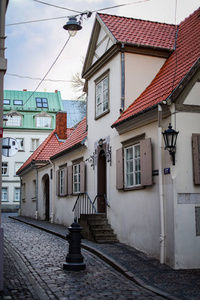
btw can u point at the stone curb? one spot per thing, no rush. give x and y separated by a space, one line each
108 260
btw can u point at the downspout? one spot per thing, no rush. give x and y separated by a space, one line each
161 194
122 78
36 209
53 192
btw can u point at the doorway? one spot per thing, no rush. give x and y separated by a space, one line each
101 179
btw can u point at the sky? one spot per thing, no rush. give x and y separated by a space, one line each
32 49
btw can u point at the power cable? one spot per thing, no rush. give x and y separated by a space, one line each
36 78
79 13
48 70
42 2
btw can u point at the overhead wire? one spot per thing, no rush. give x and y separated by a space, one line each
37 78
48 70
79 13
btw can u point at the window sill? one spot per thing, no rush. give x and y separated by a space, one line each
102 115
134 188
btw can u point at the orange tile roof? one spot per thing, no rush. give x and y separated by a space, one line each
76 137
140 32
53 147
44 151
174 70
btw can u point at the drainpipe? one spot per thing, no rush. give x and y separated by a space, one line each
122 78
53 191
36 209
161 194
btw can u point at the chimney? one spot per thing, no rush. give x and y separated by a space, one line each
61 125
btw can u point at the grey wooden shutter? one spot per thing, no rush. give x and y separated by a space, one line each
58 182
119 169
196 157
82 179
146 162
70 180
65 181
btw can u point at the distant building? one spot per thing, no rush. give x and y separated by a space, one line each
76 111
30 118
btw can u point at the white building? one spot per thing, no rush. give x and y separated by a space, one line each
140 77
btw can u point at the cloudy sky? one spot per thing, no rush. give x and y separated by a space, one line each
32 47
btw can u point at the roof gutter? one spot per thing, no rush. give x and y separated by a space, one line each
66 151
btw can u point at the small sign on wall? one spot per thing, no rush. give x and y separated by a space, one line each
166 171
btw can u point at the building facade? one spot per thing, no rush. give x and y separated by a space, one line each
141 78
30 118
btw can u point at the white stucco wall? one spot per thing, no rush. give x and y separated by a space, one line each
28 201
187 195
12 181
139 72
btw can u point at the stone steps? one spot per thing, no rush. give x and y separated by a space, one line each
98 229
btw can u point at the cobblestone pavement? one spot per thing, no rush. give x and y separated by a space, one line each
33 269
145 270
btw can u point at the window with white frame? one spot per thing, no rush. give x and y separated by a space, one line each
15 121
43 122
132 166
34 144
20 143
4 168
17 166
102 98
17 194
76 178
18 102
4 194
61 181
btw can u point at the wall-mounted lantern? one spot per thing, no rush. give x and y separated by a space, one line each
170 137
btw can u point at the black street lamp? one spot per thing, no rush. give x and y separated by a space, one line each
72 26
170 137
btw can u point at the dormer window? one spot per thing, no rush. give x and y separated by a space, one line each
18 102
43 120
6 101
14 119
41 102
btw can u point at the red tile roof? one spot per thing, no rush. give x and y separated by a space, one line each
53 147
174 70
44 151
140 32
76 137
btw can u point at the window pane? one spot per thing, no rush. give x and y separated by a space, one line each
4 194
17 102
17 194
4 169
138 178
102 96
129 179
13 121
6 101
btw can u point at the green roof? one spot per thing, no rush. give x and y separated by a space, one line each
26 100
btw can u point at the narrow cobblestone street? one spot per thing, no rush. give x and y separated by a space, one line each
33 269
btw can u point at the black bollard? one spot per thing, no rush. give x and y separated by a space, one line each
74 259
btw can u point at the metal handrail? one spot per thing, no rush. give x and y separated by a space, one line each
84 205
99 195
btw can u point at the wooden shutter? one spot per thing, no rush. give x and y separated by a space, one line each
58 182
146 162
196 157
82 174
65 181
119 169
70 180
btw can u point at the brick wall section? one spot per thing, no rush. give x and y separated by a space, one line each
61 125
